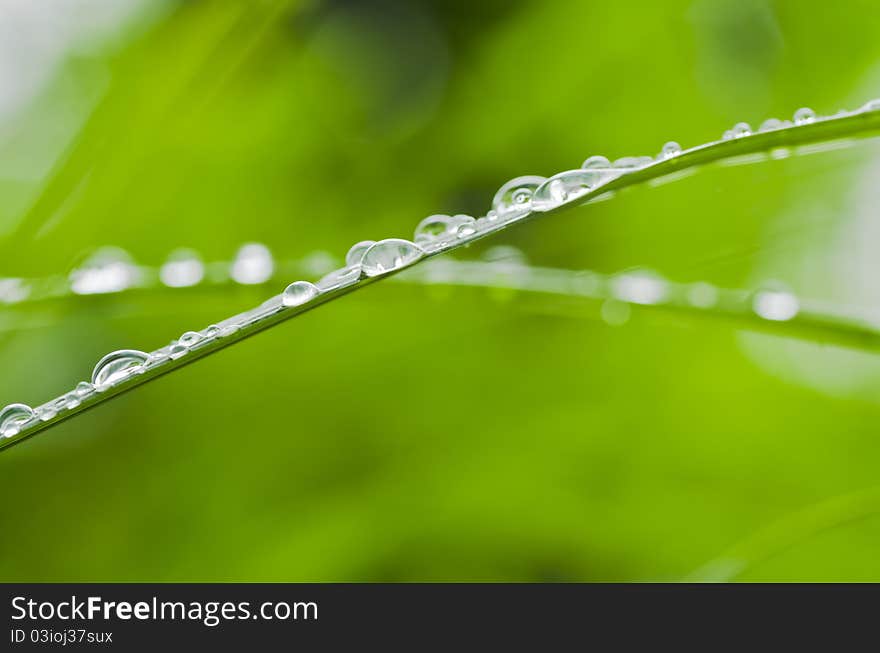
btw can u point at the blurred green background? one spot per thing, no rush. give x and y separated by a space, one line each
400 434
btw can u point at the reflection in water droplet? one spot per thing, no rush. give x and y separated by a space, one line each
117 366
108 270
189 338
596 162
514 197
298 293
253 264
640 287
804 115
670 150
183 268
340 278
356 254
776 305
13 417
568 186
390 254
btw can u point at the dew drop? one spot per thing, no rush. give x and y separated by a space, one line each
212 331
777 305
46 413
189 338
568 186
83 388
117 366
629 163
466 229
670 150
390 254
356 254
641 287
741 129
298 293
253 264
13 417
340 278
514 197
177 350
804 115
183 268
871 105
596 162
108 270
771 124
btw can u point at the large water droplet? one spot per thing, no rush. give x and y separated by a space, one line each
253 264
804 115
568 186
116 366
356 254
13 417
298 293
183 268
108 270
390 254
438 227
515 196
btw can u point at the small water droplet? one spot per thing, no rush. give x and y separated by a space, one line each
13 291
514 197
212 331
871 105
189 338
804 115
727 135
670 150
466 229
341 277
298 293
116 366
629 163
83 388
741 129
46 413
356 254
108 270
776 304
771 124
436 227
568 186
13 417
177 350
183 268
253 264
596 162
390 254
640 287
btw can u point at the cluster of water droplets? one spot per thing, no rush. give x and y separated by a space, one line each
112 270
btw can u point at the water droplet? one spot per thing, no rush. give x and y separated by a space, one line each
727 135
183 268
466 229
13 417
46 413
804 115
253 264
871 105
741 129
775 304
632 162
568 186
341 277
390 254
596 162
189 338
13 291
117 366
436 227
641 287
356 254
108 270
177 350
70 401
702 294
83 388
514 197
298 293
670 150
212 331
771 124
